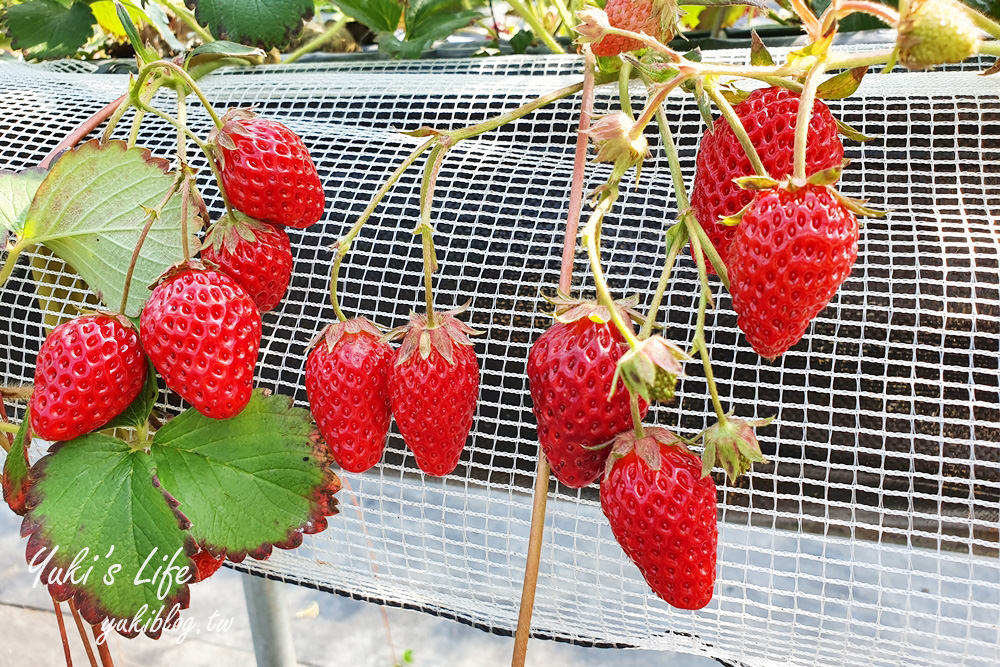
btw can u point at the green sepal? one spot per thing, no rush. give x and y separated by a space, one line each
841 85
849 132
142 51
826 176
223 49
755 182
759 55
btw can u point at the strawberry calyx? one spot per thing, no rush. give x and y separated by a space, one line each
228 230
646 448
333 332
221 137
650 369
179 268
446 331
569 309
732 444
821 179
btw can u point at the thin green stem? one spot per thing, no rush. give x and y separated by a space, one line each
591 238
182 163
677 238
983 22
344 244
566 16
123 106
989 48
710 252
670 148
624 74
185 15
153 215
640 433
658 93
852 60
699 332
11 261
532 19
806 100
737 127
424 228
7 427
133 134
317 41
178 71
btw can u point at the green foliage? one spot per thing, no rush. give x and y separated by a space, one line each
137 413
15 469
425 22
119 514
263 23
223 49
247 482
17 189
89 211
49 28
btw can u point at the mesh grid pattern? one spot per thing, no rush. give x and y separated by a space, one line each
871 536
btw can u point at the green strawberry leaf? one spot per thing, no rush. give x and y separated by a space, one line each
49 29
223 49
379 15
264 23
15 469
89 212
431 20
95 497
520 42
17 189
137 413
257 480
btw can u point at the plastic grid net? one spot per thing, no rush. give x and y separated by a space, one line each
872 534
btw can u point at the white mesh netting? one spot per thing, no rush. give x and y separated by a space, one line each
872 536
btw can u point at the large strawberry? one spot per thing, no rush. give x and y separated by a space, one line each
434 386
793 250
571 369
87 372
768 116
202 332
663 514
258 256
656 18
267 171
347 382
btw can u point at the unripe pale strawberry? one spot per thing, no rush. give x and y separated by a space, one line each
935 32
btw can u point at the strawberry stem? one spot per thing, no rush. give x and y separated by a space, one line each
540 493
624 74
886 14
180 73
699 332
101 638
636 417
344 244
11 261
7 427
153 215
80 628
62 633
85 128
737 127
809 20
424 228
806 100
591 238
676 240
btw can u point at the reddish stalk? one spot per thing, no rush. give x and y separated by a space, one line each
83 130
83 633
541 490
100 637
62 633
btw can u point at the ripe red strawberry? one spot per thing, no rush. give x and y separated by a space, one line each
206 564
267 171
792 251
87 372
768 115
637 16
570 372
434 386
663 514
258 256
202 332
347 382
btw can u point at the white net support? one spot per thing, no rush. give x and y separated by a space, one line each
870 537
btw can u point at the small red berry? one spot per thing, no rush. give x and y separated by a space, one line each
267 171
347 382
258 256
202 332
87 372
434 386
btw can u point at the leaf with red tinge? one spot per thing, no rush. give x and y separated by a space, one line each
258 480
16 477
96 501
841 85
